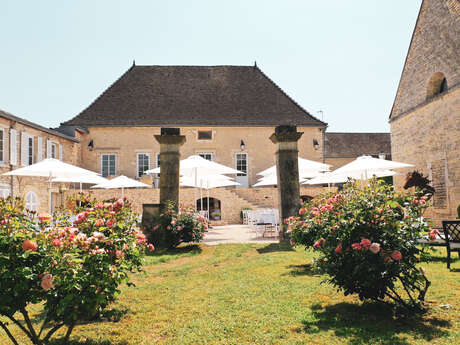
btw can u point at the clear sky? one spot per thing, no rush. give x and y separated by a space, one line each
343 57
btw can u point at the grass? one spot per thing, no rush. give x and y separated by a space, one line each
262 294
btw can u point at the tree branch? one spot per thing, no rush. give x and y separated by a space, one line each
7 331
17 323
407 291
52 331
35 338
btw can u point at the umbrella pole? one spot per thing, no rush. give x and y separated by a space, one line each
50 195
194 188
207 203
201 196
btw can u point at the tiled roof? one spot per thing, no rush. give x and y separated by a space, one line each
349 145
194 96
36 126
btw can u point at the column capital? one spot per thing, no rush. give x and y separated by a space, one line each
170 139
285 137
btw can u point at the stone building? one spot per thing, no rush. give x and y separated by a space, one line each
24 143
425 118
342 148
227 114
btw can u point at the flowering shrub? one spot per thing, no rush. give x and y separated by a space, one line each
73 268
175 227
366 238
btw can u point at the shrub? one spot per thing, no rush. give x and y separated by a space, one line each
175 227
366 237
73 268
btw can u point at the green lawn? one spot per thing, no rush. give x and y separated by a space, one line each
263 294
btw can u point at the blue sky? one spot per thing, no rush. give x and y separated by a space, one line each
339 56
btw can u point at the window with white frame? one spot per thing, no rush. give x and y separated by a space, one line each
2 145
242 163
108 165
30 150
206 155
143 163
31 201
54 150
158 160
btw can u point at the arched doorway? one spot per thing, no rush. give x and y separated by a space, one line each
214 207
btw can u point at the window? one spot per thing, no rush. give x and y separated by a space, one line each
158 160
108 165
436 85
206 155
53 150
143 163
242 163
204 135
2 145
30 151
31 201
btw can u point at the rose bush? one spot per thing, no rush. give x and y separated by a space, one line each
366 237
174 227
74 268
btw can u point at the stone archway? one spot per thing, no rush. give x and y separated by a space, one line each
215 207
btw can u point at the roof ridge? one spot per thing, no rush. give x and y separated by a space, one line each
193 66
358 132
289 97
97 98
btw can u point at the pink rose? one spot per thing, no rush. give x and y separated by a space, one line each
56 242
151 247
433 234
110 223
365 243
292 242
179 228
356 246
387 259
319 243
99 222
396 255
338 249
119 254
374 248
47 282
301 211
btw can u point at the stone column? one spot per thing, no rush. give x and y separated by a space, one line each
287 170
170 142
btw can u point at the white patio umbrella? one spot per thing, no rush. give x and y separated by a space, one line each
88 179
307 168
50 168
329 177
367 166
270 180
121 182
196 166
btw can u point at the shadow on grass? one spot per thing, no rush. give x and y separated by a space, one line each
60 341
301 270
371 323
276 247
191 249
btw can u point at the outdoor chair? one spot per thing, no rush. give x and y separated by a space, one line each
452 235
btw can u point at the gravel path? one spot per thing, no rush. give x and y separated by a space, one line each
234 234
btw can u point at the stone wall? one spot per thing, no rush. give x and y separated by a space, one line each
429 137
231 203
434 49
127 142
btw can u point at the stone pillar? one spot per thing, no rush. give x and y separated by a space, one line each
170 142
287 170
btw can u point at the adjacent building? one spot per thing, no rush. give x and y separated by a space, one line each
342 148
23 143
425 118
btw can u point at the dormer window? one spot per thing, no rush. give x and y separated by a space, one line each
205 135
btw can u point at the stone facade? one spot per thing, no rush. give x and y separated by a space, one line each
127 142
425 119
232 200
65 148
